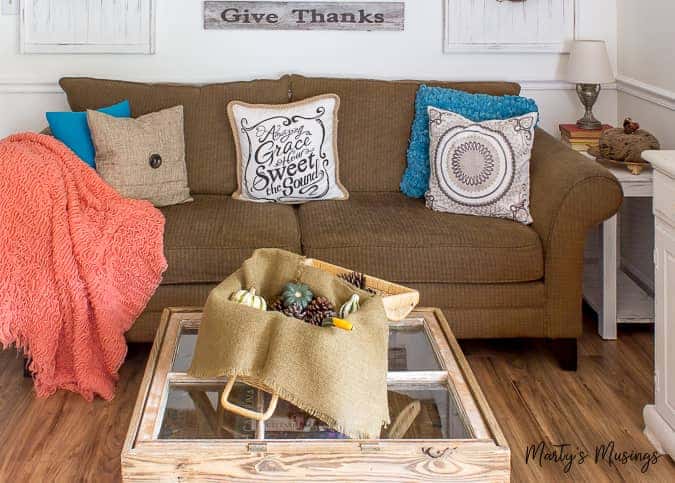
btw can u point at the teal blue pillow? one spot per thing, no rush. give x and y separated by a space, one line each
71 129
476 107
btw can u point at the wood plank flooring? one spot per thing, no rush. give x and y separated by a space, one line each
66 439
535 401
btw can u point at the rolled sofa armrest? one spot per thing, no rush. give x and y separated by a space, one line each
569 194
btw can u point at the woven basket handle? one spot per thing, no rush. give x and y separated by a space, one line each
247 413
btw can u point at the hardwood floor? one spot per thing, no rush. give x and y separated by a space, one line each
535 401
66 439
63 438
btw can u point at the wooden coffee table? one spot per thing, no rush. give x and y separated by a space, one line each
442 427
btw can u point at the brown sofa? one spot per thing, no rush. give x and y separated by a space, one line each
491 277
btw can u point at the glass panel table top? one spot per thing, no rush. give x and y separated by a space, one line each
410 349
193 412
422 404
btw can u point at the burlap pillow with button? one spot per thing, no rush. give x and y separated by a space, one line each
142 158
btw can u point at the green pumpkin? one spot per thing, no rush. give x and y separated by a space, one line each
249 298
350 306
298 294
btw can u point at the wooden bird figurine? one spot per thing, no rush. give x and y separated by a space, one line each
630 126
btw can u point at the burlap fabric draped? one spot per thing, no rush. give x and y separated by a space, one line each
337 376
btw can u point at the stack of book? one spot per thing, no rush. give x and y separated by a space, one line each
581 139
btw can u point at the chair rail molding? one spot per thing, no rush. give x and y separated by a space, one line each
33 86
555 85
647 92
18 86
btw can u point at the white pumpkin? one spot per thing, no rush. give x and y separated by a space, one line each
249 298
350 306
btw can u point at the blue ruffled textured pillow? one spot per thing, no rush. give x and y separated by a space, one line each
476 107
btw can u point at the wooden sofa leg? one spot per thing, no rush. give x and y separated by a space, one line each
565 351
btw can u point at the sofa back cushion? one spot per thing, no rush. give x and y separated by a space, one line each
209 146
375 118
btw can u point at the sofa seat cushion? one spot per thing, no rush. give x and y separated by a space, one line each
396 238
208 239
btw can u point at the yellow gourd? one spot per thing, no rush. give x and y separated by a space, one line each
339 323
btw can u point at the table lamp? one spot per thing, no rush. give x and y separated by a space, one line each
588 68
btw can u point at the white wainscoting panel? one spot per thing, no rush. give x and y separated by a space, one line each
506 26
87 26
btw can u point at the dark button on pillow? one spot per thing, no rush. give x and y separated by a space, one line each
155 161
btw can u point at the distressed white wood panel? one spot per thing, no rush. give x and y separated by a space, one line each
9 7
525 26
87 26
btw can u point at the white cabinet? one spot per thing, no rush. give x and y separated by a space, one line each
660 417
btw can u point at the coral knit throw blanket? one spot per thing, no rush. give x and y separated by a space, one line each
78 264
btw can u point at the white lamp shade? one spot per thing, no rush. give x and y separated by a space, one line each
589 63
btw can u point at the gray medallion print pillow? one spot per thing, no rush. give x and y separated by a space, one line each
480 168
287 153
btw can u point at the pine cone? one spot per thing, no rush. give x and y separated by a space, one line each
277 305
357 279
317 318
319 309
295 311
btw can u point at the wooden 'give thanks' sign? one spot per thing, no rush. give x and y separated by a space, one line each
304 15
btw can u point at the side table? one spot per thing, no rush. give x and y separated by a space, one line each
610 291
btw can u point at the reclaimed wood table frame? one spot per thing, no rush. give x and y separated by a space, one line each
483 455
